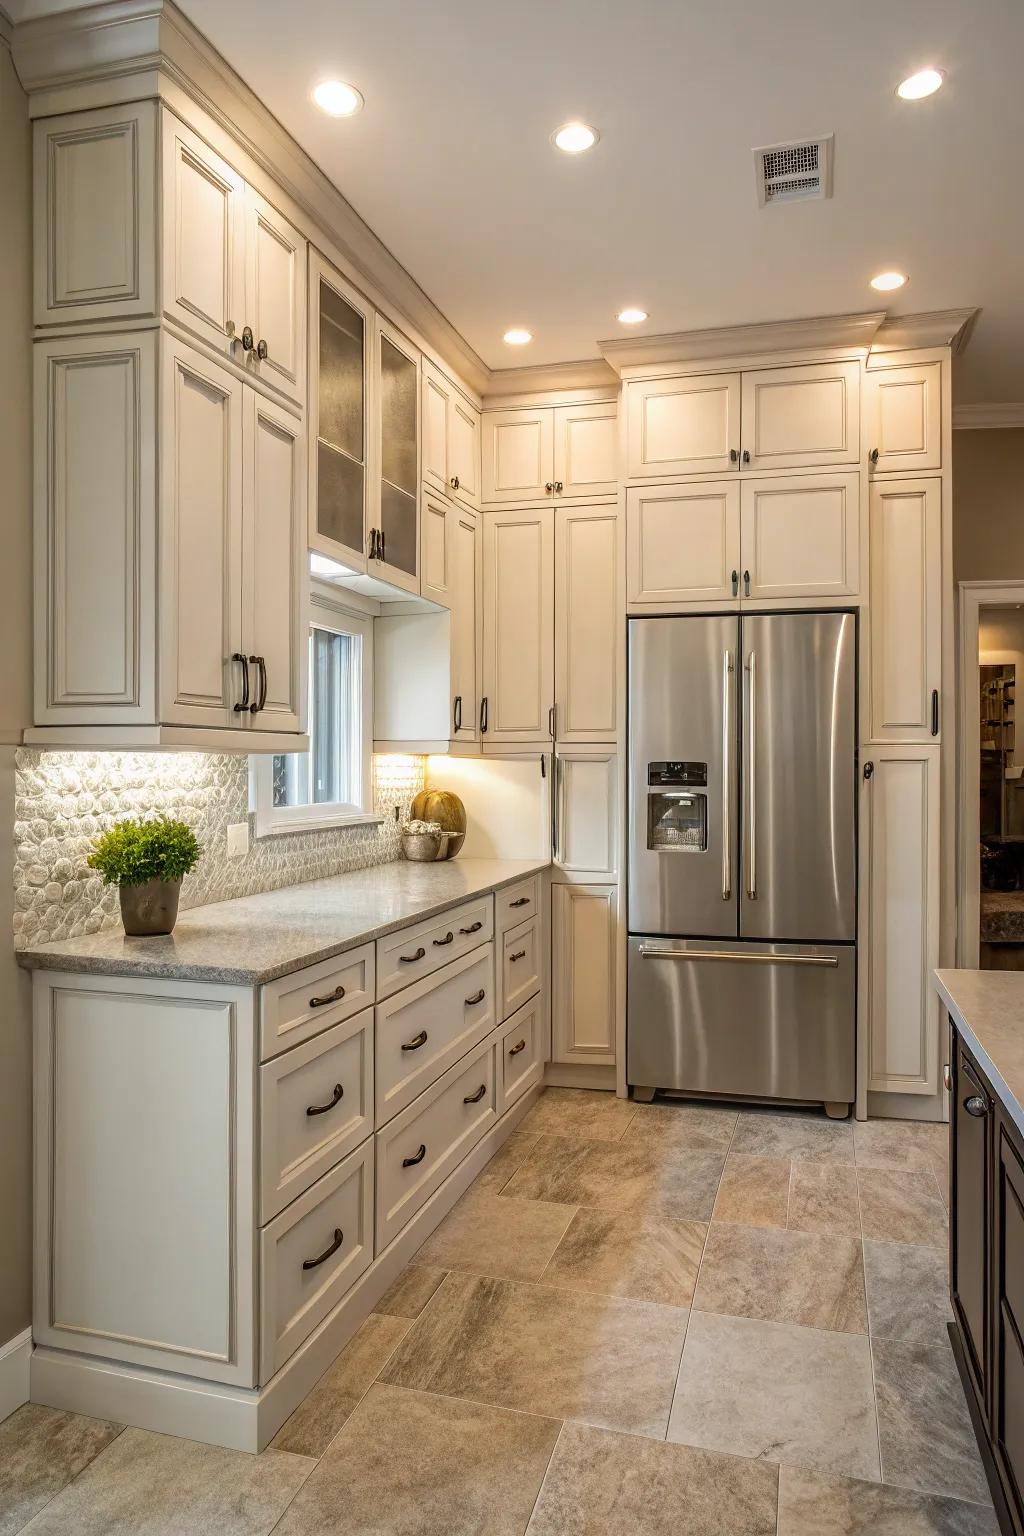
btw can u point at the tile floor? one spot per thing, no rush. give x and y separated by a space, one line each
640 1319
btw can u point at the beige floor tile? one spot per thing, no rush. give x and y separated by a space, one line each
543 1350
324 1410
908 1291
764 1133
617 1255
645 1180
705 1129
907 1144
41 1451
783 1277
410 1464
604 1484
754 1191
813 1505
509 1156
497 1235
154 1485
902 1207
409 1294
924 1427
777 1391
581 1112
823 1197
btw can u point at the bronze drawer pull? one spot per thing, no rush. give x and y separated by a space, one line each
523 901
517 1048
474 1098
339 1238
331 997
473 928
471 1002
449 938
408 959
416 1041
417 1157
321 1109
520 954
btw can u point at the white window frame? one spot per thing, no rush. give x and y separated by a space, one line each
275 821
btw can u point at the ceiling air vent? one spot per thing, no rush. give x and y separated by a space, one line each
790 173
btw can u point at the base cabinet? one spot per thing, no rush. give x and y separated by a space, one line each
583 923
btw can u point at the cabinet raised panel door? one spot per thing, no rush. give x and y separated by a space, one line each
969 1271
801 536
794 418
396 392
436 408
463 451
906 609
275 297
273 524
903 418
583 923
586 623
683 426
465 624
518 455
203 237
682 546
586 821
586 449
518 650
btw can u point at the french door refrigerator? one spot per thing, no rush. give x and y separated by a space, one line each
742 856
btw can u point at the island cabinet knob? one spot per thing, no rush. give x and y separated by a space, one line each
947 1078
976 1106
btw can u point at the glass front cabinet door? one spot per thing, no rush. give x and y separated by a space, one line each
341 354
394 548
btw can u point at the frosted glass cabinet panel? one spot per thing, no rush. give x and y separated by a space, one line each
395 553
340 332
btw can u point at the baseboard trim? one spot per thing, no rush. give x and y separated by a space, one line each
14 1372
573 1076
237 1418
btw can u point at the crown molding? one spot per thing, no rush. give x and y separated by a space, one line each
586 374
6 28
1002 413
820 333
940 328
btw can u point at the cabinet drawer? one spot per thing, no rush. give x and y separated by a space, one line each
521 1052
519 965
312 1253
425 1028
405 956
421 1146
516 903
295 1007
316 1105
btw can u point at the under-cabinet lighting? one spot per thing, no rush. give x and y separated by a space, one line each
337 99
574 138
924 83
885 282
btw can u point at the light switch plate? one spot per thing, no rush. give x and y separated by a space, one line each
238 839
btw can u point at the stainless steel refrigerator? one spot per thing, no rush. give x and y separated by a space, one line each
743 856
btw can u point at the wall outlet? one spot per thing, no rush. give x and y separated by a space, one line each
238 839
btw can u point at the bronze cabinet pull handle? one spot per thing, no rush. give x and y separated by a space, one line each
520 954
339 1238
416 1041
328 997
517 1048
522 901
474 1098
244 660
321 1109
408 959
417 1157
478 998
473 928
449 938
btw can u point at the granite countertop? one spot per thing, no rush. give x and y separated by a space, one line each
254 939
987 1008
1002 917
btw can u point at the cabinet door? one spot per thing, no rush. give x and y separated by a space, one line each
583 973
203 238
273 545
519 647
464 450
901 828
903 418
794 418
396 392
436 407
586 623
801 536
465 626
587 449
586 814
200 539
275 297
971 1112
683 546
437 573
684 426
340 350
906 609
518 454
1007 1408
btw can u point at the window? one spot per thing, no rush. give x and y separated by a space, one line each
330 784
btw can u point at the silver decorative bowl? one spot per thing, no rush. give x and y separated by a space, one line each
424 847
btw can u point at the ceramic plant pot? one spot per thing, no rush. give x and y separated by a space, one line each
149 909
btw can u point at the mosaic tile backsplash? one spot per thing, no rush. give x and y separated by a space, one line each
63 799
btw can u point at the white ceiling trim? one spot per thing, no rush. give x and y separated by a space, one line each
979 417
588 373
825 332
939 328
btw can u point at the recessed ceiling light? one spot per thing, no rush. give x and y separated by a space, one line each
924 83
517 336
337 99
574 138
631 316
885 282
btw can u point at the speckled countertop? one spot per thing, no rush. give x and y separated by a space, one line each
258 938
987 1008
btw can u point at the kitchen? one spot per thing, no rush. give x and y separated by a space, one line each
537 1114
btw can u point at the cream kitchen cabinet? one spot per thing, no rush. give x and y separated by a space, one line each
903 418
340 368
906 610
586 823
583 946
800 537
395 486
542 453
683 546
451 439
586 623
800 417
518 627
687 425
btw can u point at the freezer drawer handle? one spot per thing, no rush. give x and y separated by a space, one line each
650 952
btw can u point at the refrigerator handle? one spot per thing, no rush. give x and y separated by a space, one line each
752 776
727 775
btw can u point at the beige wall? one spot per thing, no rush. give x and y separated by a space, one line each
15 644
988 505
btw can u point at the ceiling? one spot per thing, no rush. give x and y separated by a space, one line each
450 161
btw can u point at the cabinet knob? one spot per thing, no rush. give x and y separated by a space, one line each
947 1078
734 456
262 350
873 455
869 770
549 486
247 339
735 583
976 1106
746 583
558 487
455 482
746 455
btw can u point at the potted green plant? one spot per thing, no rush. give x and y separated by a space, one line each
146 860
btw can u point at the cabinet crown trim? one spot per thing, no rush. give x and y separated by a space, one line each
722 342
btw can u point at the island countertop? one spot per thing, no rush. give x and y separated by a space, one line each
987 1008
254 939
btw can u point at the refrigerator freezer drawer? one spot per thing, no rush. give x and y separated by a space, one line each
751 1020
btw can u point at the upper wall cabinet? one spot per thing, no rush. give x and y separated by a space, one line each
683 546
543 453
684 426
903 418
451 439
340 364
906 609
518 627
394 508
800 537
